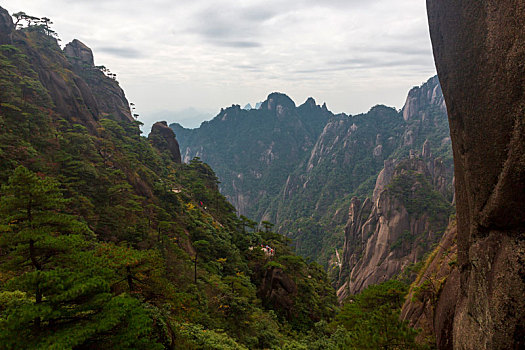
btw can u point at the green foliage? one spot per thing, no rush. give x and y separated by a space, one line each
199 338
100 232
57 293
418 196
371 319
300 169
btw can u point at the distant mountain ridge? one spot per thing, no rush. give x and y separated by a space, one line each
299 166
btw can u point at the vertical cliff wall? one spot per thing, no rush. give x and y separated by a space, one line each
479 49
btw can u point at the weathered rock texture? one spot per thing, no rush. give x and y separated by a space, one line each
419 98
406 215
108 95
79 53
479 49
163 138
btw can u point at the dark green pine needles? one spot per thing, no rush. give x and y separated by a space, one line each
55 290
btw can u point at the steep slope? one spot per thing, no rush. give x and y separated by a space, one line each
301 166
479 48
105 240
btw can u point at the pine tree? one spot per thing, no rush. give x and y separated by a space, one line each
57 293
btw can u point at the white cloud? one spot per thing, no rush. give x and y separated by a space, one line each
172 55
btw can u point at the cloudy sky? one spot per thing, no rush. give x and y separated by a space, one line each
201 55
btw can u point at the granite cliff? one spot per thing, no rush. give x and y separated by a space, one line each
479 49
394 228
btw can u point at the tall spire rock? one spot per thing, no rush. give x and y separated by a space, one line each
6 27
479 49
163 138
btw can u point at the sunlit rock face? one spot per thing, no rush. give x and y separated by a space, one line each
479 49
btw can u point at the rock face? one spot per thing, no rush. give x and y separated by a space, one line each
79 90
429 94
6 27
396 228
163 138
79 53
479 49
108 95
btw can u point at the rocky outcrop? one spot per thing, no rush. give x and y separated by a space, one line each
79 90
79 53
163 138
420 97
6 27
384 236
479 49
71 95
109 96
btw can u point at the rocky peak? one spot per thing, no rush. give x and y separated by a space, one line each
6 27
77 51
163 138
310 102
427 94
385 235
278 103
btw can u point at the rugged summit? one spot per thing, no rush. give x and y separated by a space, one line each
108 95
479 49
79 53
163 138
418 98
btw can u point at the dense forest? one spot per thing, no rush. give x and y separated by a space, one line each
108 241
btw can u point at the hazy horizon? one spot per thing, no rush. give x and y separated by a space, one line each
171 57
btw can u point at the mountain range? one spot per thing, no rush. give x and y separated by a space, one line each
300 166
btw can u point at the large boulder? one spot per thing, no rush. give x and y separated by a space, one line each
479 49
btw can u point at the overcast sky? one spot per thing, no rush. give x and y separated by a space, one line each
171 55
